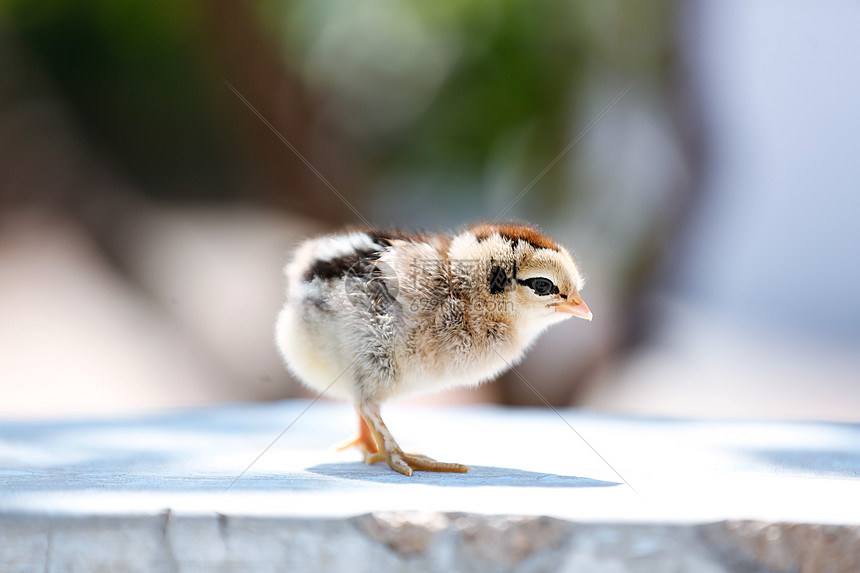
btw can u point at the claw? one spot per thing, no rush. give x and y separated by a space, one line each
407 463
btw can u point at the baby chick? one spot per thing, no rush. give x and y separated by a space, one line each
372 316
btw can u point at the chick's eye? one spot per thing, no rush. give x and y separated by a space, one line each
541 286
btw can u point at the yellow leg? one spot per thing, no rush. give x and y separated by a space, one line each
388 450
364 441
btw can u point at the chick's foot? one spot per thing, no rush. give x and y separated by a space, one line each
388 450
400 461
364 442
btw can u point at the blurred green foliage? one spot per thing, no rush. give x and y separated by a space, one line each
440 91
417 90
136 76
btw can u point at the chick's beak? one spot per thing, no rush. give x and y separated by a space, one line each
573 305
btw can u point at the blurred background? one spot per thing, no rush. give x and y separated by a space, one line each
698 157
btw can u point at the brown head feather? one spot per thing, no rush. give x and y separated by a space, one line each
515 233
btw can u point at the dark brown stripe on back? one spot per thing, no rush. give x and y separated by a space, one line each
339 266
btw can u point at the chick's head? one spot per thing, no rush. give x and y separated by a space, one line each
522 276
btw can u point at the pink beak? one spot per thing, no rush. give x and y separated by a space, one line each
575 306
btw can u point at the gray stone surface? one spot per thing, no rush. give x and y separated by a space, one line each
162 494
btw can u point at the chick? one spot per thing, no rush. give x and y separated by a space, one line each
372 316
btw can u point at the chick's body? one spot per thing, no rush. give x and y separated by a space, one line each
372 316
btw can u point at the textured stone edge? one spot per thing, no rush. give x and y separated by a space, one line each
401 541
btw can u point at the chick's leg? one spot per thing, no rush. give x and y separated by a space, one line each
389 451
365 442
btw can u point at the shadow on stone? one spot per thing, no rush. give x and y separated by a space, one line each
477 476
811 462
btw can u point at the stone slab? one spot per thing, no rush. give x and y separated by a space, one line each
260 487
